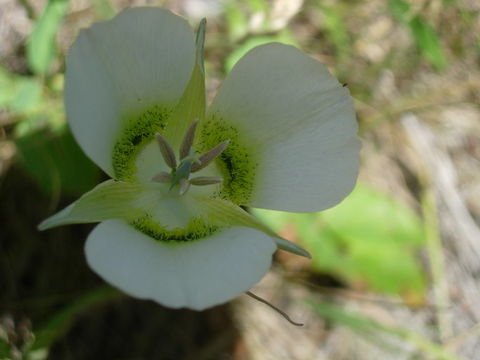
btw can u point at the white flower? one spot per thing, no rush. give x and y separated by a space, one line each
282 129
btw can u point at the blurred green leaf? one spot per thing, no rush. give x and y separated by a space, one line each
55 161
336 29
400 9
7 86
425 36
28 94
369 239
363 326
41 49
257 5
379 333
19 93
283 37
240 15
61 321
4 348
39 114
428 42
237 22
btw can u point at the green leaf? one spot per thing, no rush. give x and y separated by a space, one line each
108 200
379 333
7 87
62 321
5 348
18 93
400 10
28 94
258 6
41 47
53 158
425 36
225 213
192 104
283 37
336 29
428 42
369 239
237 21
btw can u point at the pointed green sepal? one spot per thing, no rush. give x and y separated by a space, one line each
225 213
200 43
286 245
192 104
108 200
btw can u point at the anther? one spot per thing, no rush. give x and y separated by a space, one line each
188 140
205 180
166 151
210 155
162 177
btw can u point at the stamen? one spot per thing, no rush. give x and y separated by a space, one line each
281 312
210 155
167 151
189 162
162 177
188 140
205 180
184 185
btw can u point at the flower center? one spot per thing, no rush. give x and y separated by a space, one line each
190 162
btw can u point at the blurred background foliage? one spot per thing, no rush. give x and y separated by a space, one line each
395 266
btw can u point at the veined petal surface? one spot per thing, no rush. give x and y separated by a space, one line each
121 68
300 125
196 274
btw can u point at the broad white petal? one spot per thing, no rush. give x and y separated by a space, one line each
296 122
121 68
197 274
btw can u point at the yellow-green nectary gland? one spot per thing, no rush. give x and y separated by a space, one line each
236 163
196 229
137 133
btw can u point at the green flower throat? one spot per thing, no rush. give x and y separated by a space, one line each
214 142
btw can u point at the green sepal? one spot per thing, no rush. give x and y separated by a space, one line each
200 44
225 213
41 47
291 247
108 200
192 104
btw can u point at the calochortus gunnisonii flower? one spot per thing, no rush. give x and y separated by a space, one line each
280 134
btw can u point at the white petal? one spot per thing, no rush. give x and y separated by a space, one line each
299 125
197 274
118 69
